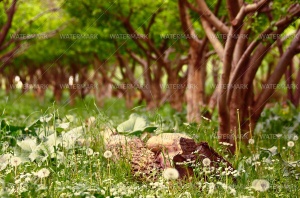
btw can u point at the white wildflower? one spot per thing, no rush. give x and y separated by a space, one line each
295 138
251 141
185 195
89 151
18 181
44 172
150 196
211 188
227 188
170 173
291 144
260 185
27 179
107 154
206 161
15 161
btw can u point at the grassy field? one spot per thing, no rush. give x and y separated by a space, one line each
35 163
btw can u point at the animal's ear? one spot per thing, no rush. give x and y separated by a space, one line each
187 146
181 167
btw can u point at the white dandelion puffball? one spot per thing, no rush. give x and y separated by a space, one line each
260 185
251 141
107 154
15 161
89 151
206 161
295 138
170 174
291 144
44 172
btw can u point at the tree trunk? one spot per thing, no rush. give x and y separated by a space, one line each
194 91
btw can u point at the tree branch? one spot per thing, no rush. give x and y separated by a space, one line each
277 74
137 58
186 24
211 18
213 38
13 36
233 8
9 55
281 26
5 28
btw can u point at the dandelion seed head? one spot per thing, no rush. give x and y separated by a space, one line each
206 161
89 151
107 154
170 174
291 144
260 185
44 172
251 141
15 161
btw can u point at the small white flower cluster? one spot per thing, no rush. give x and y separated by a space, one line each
187 163
122 190
225 144
227 188
230 171
22 183
209 186
26 177
158 185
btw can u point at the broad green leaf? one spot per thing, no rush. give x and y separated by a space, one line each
135 125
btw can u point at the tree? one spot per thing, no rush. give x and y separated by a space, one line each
244 49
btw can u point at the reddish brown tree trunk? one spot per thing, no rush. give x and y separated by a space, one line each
194 91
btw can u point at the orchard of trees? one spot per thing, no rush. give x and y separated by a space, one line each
233 57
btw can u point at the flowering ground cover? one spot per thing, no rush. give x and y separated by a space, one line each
60 152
